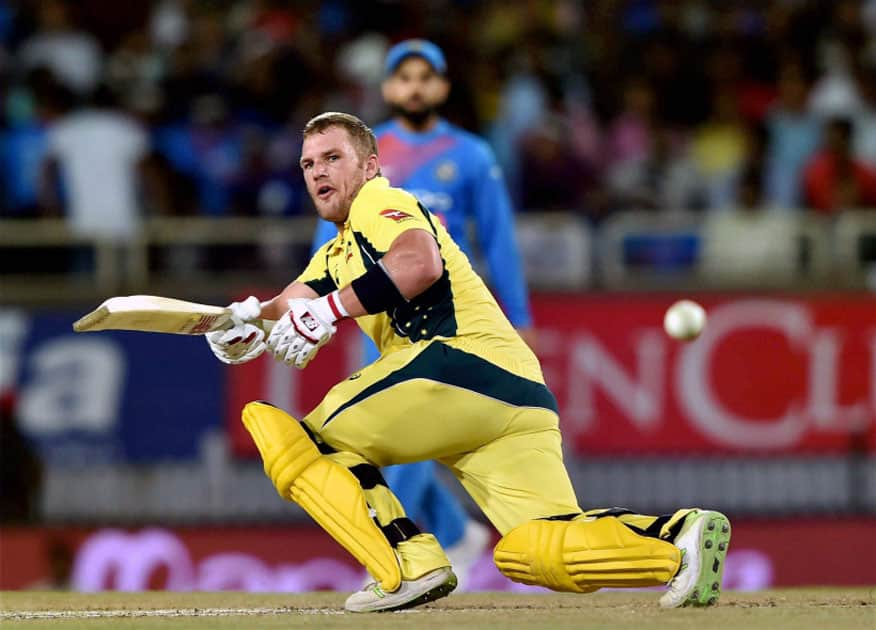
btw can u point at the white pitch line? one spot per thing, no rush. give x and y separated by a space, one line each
162 612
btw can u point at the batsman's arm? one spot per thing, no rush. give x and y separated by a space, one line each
274 308
412 264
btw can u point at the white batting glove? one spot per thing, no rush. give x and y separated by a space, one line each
247 311
304 329
239 344
244 341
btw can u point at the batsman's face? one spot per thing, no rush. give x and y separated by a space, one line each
334 172
415 87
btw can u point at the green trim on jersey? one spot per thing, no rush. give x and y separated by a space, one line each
430 314
425 212
323 286
443 364
370 254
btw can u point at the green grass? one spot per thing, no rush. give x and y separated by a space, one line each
852 608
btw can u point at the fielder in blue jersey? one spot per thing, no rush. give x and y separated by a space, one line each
455 175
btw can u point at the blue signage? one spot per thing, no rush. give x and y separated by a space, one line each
111 396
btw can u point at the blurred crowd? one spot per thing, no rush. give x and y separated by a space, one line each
182 107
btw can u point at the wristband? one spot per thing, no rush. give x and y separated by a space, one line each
329 307
376 290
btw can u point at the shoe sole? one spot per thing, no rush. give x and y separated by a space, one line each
714 542
437 592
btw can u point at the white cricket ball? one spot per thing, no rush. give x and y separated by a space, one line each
684 320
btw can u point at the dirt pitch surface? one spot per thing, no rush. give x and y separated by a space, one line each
835 609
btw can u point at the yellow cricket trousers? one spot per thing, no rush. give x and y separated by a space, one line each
497 432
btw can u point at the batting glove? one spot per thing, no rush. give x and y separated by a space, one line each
301 332
247 311
244 341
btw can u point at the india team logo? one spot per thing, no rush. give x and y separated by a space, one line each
446 171
396 215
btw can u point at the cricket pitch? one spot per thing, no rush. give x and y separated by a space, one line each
777 610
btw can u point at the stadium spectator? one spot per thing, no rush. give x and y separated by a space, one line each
552 175
207 147
665 178
73 56
629 135
793 136
834 179
719 148
96 153
23 144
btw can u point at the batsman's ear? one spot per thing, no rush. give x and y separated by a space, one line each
372 167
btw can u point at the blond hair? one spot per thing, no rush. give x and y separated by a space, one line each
362 137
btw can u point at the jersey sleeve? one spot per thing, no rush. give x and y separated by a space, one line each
384 217
316 275
494 219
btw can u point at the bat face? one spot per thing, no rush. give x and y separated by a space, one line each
151 313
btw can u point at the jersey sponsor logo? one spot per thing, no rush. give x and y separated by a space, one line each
396 215
435 201
446 171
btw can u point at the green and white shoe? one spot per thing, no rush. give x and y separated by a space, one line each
426 588
703 541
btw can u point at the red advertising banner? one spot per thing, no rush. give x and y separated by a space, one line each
763 554
769 374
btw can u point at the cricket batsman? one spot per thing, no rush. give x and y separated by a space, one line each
455 174
454 383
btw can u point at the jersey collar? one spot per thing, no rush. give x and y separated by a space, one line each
371 185
414 137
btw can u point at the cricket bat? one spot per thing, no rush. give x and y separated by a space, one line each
151 313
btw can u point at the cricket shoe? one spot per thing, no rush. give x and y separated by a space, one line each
703 541
426 588
465 553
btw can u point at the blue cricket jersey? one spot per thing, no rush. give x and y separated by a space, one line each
455 175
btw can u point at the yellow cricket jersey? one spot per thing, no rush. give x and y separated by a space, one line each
458 309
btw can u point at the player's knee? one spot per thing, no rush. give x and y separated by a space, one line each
286 448
532 553
583 556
